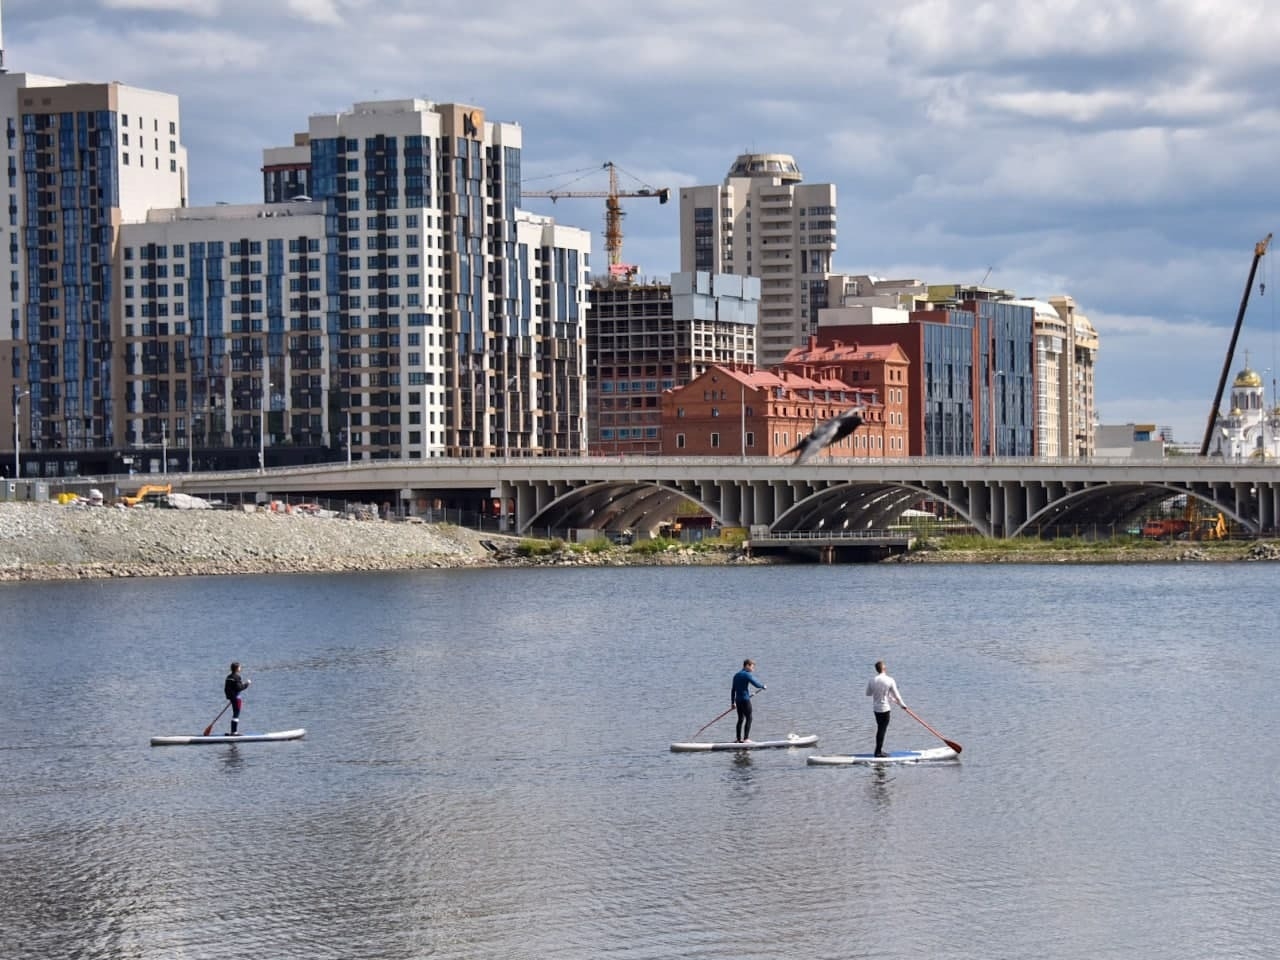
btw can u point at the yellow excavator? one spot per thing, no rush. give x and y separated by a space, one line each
1200 527
149 492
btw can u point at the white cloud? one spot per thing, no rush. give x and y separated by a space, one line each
198 8
316 11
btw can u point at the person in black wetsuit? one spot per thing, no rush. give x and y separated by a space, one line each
233 686
740 697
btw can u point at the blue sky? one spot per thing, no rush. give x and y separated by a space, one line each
1124 153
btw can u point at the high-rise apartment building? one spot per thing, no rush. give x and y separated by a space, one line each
647 338
1066 348
1079 415
457 321
764 222
82 159
225 350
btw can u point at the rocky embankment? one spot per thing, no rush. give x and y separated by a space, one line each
53 542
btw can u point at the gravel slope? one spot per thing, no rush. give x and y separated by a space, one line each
48 541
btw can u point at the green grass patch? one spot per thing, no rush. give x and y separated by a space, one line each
656 545
539 548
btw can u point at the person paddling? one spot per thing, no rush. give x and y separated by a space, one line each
883 690
233 686
740 697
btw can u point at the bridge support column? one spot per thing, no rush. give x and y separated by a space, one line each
731 503
1015 505
979 495
1037 499
762 504
1243 503
784 498
1267 504
525 501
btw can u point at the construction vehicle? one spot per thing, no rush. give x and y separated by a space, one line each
1259 251
147 493
1203 527
613 214
1165 528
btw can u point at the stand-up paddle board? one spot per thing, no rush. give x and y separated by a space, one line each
227 738
895 756
792 741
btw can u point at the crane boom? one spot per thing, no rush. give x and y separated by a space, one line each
613 212
1259 251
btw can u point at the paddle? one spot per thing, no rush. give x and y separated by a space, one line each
209 729
950 743
725 714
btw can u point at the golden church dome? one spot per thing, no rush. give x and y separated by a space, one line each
1247 378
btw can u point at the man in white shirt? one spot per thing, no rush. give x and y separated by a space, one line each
883 690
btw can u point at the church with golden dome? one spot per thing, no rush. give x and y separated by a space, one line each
1251 429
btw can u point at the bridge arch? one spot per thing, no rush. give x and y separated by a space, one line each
875 505
615 505
1119 503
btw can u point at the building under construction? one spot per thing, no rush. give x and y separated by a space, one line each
646 337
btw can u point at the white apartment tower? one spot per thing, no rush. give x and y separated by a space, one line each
223 329
764 222
456 321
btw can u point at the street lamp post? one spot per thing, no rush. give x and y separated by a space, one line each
506 418
994 435
17 403
262 427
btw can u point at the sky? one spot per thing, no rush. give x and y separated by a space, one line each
1123 153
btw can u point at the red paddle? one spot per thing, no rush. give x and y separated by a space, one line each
705 725
725 714
950 743
209 729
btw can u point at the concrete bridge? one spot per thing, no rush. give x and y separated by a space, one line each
999 498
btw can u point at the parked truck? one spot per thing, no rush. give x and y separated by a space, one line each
1165 528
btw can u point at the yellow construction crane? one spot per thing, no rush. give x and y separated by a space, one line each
613 213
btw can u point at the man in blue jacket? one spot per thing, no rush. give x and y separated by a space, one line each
740 697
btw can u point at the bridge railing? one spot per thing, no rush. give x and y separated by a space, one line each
829 535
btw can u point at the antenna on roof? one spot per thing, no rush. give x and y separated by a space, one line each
983 281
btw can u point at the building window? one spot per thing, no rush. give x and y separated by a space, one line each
679 441
715 441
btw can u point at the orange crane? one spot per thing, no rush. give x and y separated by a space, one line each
613 213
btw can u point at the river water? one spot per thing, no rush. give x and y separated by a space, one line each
486 771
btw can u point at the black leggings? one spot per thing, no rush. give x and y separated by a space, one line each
744 720
882 724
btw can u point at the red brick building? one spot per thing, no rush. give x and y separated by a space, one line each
882 370
739 411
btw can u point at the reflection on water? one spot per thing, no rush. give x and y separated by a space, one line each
487 773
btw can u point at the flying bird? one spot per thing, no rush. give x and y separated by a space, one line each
827 433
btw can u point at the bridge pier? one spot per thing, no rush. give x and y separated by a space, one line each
979 496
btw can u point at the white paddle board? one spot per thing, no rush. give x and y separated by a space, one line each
227 738
895 756
794 740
